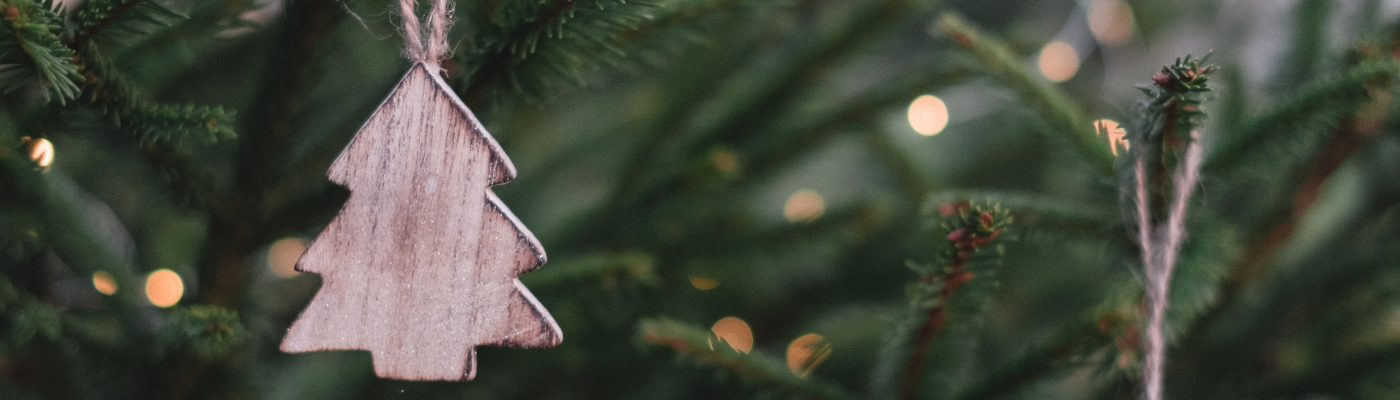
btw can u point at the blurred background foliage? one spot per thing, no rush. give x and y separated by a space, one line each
740 198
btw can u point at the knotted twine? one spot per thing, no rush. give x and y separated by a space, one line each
425 42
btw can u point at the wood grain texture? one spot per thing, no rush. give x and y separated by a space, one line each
421 264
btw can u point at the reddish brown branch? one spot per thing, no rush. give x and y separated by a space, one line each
966 240
1352 135
935 322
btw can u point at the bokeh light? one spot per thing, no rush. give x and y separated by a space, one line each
928 115
725 161
734 331
1058 61
804 206
283 255
703 283
1116 135
164 288
103 282
1111 22
40 150
807 352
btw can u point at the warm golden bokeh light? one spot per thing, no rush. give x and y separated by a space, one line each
734 331
806 352
104 283
725 161
1111 22
164 288
703 283
282 256
40 150
928 115
1059 61
804 206
1116 135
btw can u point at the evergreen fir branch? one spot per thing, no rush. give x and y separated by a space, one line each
163 53
26 318
639 266
1341 377
778 92
962 231
1075 342
900 165
1310 34
1303 119
64 224
35 50
713 64
1059 112
1357 123
529 47
704 348
779 148
1158 181
147 121
207 331
679 23
1033 208
761 160
117 23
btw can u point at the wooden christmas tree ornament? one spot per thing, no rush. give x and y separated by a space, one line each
422 263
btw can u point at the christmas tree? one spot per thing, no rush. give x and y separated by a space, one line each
885 199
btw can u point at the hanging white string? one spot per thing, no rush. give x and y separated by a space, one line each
1161 246
426 42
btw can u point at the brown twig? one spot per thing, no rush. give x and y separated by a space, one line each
937 319
966 240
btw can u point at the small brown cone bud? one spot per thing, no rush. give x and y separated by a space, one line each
947 209
1162 79
958 235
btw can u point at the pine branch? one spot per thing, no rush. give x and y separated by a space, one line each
1309 32
207 331
899 164
701 347
27 318
690 88
963 231
1337 377
1305 118
1165 138
969 228
1033 208
149 122
529 47
116 23
1059 112
1078 340
160 55
65 225
34 29
759 163
779 91
1358 120
783 148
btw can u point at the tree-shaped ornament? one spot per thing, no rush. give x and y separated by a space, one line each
422 263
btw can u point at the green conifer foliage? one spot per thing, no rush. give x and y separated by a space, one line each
747 161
